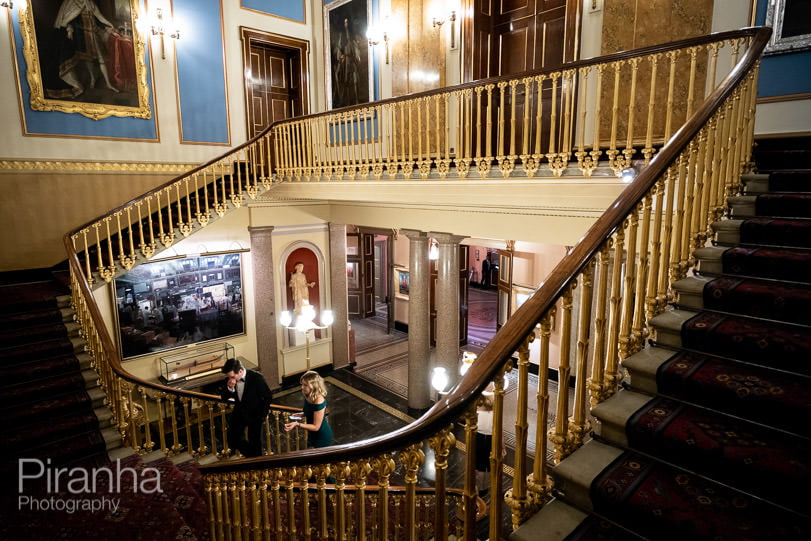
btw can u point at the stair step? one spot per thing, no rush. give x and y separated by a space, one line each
574 475
755 182
97 397
643 366
105 416
763 395
614 414
746 296
786 264
555 521
668 326
690 291
727 231
742 205
112 438
765 231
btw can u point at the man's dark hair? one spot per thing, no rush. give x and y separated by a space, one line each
232 364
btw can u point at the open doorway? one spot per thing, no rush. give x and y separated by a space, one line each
482 297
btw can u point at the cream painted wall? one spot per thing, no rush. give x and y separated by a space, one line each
227 233
293 347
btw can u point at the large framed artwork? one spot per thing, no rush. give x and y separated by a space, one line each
791 26
86 57
179 302
347 53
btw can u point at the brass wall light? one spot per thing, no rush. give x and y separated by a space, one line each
375 35
159 29
451 17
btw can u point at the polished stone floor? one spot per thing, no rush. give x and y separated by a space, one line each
360 409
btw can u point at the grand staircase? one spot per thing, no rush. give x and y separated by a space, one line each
55 412
709 437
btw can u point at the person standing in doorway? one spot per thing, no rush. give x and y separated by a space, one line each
251 397
485 282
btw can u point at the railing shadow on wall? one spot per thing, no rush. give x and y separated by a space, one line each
618 276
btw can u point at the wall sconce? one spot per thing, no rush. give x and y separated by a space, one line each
9 5
304 323
374 41
433 250
158 29
437 23
373 34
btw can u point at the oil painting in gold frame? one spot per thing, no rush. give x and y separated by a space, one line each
86 57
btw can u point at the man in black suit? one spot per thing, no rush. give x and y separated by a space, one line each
251 396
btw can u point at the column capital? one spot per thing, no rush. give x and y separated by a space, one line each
447 238
414 234
261 229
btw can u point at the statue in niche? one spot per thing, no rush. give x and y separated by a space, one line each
300 286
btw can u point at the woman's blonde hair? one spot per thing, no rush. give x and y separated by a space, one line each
316 384
485 402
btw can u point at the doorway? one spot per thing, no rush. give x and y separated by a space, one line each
482 297
275 70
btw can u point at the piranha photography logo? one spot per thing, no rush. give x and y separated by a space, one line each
80 489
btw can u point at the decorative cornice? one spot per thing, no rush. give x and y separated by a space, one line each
67 166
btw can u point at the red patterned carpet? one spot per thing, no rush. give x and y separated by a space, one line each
670 504
759 298
771 463
755 392
761 342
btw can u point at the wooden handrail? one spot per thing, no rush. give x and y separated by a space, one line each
507 340
448 409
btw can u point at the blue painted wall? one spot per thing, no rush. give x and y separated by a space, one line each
201 72
782 74
58 123
289 9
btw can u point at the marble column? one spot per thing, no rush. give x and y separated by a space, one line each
419 321
339 295
267 349
447 305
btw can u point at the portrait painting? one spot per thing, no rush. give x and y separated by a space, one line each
347 53
791 26
403 281
85 57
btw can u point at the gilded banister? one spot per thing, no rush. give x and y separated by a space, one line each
696 167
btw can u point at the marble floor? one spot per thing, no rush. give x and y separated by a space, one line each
360 409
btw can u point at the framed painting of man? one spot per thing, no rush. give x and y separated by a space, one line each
86 57
347 53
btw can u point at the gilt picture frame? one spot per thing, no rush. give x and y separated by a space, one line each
85 57
347 57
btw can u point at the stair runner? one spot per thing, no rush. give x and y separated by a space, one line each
53 411
709 438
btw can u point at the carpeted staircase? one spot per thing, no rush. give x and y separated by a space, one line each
709 438
53 411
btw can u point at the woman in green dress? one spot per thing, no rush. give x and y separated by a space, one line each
319 433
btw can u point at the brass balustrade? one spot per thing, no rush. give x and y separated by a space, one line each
596 304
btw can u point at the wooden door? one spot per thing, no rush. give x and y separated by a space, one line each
271 96
353 276
367 244
275 78
512 36
505 287
464 282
